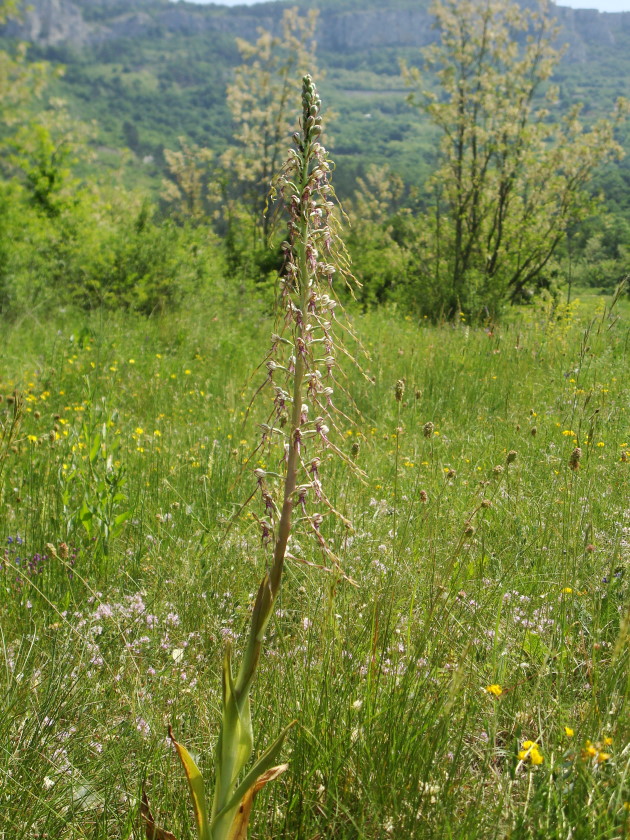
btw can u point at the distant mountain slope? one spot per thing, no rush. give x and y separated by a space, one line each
344 25
150 70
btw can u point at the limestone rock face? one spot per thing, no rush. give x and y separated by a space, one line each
81 22
377 28
50 22
187 21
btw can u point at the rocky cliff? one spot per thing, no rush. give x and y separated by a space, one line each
50 22
85 22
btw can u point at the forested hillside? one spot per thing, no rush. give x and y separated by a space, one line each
177 115
149 71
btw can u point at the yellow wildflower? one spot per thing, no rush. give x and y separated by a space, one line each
530 752
594 751
494 689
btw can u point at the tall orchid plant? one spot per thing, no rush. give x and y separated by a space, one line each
300 375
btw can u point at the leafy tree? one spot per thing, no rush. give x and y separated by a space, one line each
261 99
21 85
42 154
131 135
186 187
62 238
598 254
380 234
7 9
21 81
512 172
233 190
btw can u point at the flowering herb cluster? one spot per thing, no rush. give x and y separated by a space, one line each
20 565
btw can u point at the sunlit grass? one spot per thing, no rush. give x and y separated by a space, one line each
493 616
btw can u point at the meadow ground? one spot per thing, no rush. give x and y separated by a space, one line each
473 684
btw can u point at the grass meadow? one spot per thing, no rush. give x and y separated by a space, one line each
473 682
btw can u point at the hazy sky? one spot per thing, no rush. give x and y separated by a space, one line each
602 5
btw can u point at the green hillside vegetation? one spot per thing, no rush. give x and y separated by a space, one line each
146 91
140 96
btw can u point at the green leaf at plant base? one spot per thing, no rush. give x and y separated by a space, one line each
197 789
238 829
236 738
257 771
